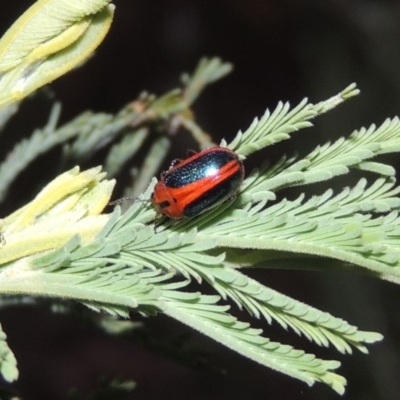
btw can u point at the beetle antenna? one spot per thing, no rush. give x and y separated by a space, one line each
122 199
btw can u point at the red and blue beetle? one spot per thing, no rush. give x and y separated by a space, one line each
198 183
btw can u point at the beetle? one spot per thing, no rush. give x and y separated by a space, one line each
198 183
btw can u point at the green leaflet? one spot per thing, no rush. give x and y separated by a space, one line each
212 320
8 363
332 226
274 127
49 39
258 300
207 71
317 326
125 150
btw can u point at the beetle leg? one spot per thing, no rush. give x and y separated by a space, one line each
175 162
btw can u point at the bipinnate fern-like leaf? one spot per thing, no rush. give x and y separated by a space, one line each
127 265
60 245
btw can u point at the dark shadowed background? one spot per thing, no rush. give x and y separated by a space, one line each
282 50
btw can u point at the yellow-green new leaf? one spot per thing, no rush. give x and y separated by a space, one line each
69 205
48 40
